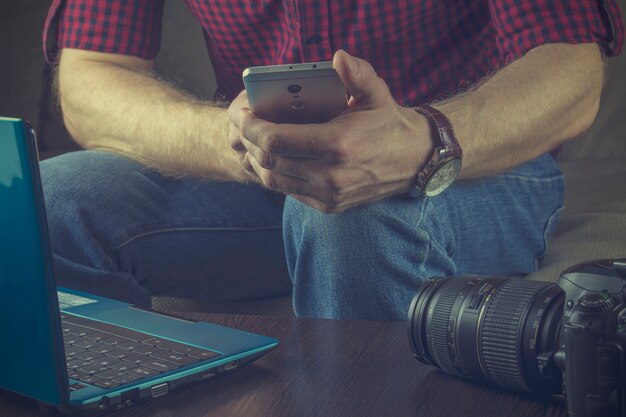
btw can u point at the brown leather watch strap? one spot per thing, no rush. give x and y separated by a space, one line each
441 125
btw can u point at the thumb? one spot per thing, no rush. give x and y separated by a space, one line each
360 79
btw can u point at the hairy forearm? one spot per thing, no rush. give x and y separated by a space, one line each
126 110
533 105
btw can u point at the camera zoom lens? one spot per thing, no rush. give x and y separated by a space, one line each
492 329
294 88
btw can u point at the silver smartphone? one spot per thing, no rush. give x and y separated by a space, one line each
295 93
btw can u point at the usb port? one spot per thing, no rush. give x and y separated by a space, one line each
209 374
231 365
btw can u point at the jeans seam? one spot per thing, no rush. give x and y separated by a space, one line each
548 228
190 229
430 241
106 267
531 179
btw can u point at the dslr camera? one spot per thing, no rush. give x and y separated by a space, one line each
533 336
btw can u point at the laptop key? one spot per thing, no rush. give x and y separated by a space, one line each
202 354
162 343
73 350
108 373
119 354
114 340
136 358
102 348
125 378
97 336
70 339
188 350
122 366
75 374
80 331
143 372
160 365
146 349
106 383
71 319
92 369
77 363
106 361
90 379
85 344
182 360
88 356
181 348
67 327
128 345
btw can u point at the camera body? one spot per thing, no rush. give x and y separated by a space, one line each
593 339
533 336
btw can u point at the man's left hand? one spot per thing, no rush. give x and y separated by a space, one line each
370 151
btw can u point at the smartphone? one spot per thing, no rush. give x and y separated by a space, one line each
295 93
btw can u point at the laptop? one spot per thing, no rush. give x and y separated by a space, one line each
78 352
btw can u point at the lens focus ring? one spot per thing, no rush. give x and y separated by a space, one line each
500 339
442 325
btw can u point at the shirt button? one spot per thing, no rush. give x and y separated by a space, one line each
313 39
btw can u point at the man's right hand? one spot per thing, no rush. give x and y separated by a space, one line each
234 132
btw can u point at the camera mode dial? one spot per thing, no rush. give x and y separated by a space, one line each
595 303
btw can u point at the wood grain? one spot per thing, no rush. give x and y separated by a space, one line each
328 368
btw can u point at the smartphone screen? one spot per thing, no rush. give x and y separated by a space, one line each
295 93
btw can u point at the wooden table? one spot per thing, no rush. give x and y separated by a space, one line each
327 368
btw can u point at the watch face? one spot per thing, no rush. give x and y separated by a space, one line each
442 177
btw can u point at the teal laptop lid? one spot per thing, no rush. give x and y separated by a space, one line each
32 360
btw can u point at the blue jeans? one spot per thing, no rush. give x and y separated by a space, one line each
125 231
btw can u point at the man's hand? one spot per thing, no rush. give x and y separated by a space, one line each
371 151
234 132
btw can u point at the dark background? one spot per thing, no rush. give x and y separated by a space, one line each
183 59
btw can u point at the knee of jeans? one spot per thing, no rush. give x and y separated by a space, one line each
366 262
76 179
306 229
81 190
379 238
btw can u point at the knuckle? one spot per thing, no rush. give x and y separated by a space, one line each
332 183
267 140
341 152
269 180
271 142
265 160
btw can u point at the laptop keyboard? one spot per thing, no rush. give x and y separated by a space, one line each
107 356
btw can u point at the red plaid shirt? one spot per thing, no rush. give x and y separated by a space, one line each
424 49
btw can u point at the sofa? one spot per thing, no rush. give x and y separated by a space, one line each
592 225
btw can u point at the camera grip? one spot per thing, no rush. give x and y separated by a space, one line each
594 384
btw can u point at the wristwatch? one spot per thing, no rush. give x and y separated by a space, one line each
445 162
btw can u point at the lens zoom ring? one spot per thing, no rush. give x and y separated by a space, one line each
440 344
500 335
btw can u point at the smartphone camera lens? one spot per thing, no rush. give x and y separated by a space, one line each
294 88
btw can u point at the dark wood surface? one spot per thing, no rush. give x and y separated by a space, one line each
327 368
